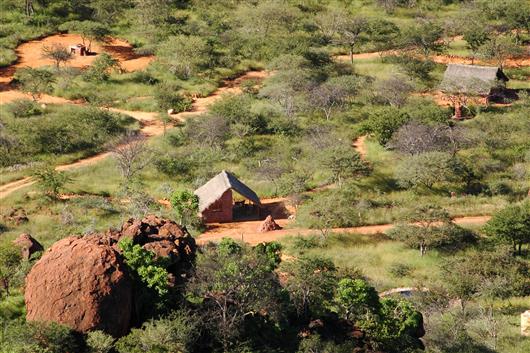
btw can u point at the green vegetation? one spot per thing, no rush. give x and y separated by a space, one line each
288 132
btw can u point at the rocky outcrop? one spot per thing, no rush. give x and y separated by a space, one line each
28 245
268 225
83 284
17 216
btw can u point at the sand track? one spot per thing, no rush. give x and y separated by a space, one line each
151 125
247 231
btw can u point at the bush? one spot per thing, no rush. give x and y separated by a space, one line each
23 108
400 270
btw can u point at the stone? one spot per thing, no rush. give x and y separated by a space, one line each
28 245
83 284
163 248
525 324
268 225
133 229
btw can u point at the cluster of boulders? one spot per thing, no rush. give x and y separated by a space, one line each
16 216
83 282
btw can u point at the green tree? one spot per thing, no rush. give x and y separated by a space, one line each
475 35
36 82
234 287
425 37
184 55
425 169
100 69
311 284
511 224
58 53
352 31
500 48
345 163
355 298
99 342
51 181
186 207
10 259
423 228
382 123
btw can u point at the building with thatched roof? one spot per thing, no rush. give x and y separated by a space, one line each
472 79
216 202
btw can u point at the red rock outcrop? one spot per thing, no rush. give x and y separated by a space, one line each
28 245
83 284
268 225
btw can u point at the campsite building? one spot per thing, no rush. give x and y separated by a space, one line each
473 80
216 201
463 81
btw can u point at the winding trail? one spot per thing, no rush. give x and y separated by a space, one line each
151 125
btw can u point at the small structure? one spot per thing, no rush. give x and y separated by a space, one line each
463 81
78 49
216 202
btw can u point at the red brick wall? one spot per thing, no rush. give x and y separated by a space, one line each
221 210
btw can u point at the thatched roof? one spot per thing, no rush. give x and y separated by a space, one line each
218 185
472 79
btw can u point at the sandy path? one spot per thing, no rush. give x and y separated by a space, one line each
150 125
440 59
247 231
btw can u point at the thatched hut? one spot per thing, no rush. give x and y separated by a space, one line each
463 81
216 201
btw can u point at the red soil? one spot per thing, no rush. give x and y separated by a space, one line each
30 55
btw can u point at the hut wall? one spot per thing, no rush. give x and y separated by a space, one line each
221 210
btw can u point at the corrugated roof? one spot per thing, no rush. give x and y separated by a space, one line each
216 187
472 79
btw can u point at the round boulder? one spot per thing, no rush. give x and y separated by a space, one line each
28 245
81 283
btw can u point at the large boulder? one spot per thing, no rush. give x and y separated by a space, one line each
82 283
28 245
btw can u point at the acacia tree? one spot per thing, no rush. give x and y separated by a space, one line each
132 156
184 55
35 82
425 169
512 224
422 227
476 36
425 37
351 32
345 163
58 53
500 48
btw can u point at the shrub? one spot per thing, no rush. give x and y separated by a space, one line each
400 270
23 108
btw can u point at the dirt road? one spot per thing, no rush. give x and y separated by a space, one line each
247 231
151 125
